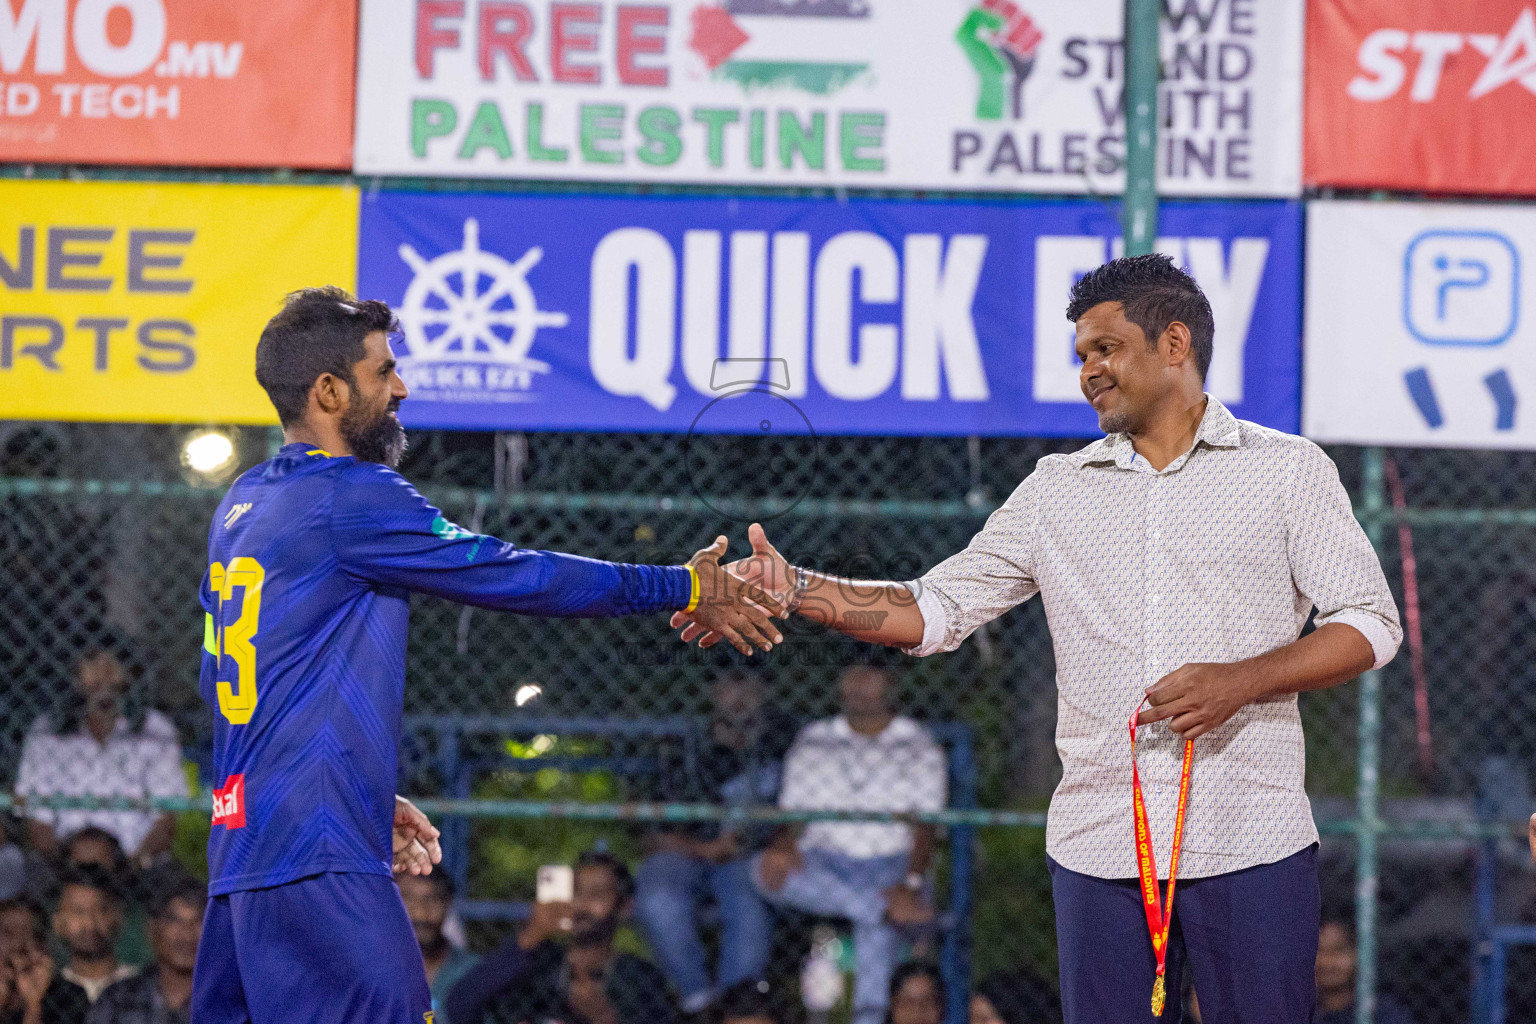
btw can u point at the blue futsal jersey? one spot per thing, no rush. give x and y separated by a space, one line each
311 562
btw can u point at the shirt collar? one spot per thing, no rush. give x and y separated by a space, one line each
1218 429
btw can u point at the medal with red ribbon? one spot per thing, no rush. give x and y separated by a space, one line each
1159 913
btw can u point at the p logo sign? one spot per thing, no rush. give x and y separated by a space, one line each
1461 288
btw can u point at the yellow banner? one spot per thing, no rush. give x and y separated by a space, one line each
143 302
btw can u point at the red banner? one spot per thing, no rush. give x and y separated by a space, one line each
1432 96
232 83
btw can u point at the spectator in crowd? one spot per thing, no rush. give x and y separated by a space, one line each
93 845
917 995
162 993
532 978
31 990
873 874
99 748
749 1002
1015 997
88 922
740 766
427 901
1337 959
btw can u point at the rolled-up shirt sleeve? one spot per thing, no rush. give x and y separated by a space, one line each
1332 562
995 572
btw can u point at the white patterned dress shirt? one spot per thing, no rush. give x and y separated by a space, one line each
1218 558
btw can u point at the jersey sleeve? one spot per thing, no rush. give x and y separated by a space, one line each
386 533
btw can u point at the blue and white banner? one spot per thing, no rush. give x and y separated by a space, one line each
867 316
1416 324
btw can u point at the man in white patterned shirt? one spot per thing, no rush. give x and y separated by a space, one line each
1178 559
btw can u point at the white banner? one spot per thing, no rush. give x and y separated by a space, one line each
1021 96
1416 324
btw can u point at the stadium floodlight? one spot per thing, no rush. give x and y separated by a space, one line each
526 693
209 454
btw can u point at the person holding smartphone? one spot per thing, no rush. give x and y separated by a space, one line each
561 968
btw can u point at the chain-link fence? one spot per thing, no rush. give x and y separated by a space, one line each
546 738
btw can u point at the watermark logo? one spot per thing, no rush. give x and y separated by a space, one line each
783 448
470 318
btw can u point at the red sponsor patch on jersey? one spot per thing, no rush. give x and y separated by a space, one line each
229 803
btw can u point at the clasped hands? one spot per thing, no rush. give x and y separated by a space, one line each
738 602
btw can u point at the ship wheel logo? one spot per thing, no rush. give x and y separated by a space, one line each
470 305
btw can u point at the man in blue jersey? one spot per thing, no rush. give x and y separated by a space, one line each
312 557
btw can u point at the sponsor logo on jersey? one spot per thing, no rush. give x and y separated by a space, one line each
229 803
234 514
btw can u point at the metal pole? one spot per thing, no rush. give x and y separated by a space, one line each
1373 505
1138 214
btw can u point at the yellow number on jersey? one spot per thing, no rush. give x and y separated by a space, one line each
237 640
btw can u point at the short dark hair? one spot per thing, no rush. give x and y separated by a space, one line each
441 883
101 835
622 879
1154 293
318 330
180 886
39 928
91 876
916 969
1342 917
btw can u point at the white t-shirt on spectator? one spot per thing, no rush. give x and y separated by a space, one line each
833 768
128 764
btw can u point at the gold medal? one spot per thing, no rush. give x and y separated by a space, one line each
1158 997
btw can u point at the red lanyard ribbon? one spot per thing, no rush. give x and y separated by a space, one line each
1159 914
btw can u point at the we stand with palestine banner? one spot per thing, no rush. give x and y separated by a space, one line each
1018 95
749 315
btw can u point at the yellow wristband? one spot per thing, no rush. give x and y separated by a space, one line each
693 589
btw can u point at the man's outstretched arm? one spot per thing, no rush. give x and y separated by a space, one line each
385 532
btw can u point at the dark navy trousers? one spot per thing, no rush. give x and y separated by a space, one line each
1249 937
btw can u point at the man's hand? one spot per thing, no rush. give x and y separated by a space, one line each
777 864
728 606
1197 698
33 972
416 846
764 568
546 921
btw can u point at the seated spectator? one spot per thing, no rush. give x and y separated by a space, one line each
873 874
31 991
531 977
92 845
739 766
98 749
88 922
1016 997
427 900
749 1002
1337 960
917 995
162 993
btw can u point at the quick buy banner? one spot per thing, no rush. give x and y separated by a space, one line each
869 317
1014 95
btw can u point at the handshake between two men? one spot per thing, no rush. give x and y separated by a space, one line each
738 601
